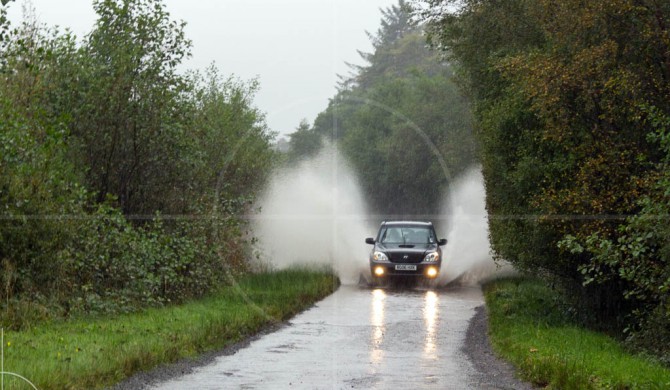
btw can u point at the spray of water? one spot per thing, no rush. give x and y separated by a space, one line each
467 256
313 214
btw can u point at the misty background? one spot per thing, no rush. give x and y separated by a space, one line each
296 48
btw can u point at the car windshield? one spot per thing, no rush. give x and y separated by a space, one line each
407 235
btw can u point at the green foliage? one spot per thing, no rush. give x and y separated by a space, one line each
127 117
408 130
531 326
400 121
65 259
398 51
38 194
121 180
477 34
304 142
230 156
97 352
116 268
570 101
513 169
4 23
638 255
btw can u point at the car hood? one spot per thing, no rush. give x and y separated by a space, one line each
411 248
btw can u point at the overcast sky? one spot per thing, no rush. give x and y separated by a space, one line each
295 47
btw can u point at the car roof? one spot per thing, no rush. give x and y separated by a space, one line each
407 223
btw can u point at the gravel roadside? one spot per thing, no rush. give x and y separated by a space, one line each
494 373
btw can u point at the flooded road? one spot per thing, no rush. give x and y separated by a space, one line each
357 338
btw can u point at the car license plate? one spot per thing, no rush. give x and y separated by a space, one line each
405 267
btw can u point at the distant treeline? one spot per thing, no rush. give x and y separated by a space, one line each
120 178
572 104
400 120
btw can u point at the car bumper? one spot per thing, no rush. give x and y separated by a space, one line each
429 270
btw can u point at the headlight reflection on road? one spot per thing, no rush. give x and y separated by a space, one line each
378 325
430 317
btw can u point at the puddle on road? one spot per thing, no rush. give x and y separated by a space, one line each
365 338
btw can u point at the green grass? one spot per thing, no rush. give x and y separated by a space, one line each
97 352
529 327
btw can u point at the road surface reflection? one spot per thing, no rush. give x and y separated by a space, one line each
430 316
356 338
377 322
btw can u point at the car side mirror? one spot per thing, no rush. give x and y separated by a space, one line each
370 241
442 242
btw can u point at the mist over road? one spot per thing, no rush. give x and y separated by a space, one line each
359 338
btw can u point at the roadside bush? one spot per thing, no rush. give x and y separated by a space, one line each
57 258
40 197
115 267
638 254
652 333
121 180
572 110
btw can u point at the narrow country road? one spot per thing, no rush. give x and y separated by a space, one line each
359 338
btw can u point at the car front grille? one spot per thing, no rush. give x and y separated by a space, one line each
412 258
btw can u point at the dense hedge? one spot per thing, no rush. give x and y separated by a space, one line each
572 108
121 179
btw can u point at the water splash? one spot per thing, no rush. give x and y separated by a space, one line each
467 256
314 213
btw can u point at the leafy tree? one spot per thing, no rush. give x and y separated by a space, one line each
4 24
231 156
397 50
94 134
304 142
400 120
128 121
412 136
38 185
569 96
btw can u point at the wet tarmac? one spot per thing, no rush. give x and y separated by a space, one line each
357 338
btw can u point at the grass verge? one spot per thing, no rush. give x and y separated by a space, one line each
97 352
529 326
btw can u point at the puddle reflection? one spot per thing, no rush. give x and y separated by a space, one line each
378 325
430 317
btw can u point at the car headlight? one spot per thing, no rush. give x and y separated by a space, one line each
380 257
432 257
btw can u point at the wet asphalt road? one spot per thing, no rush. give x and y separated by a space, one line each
357 338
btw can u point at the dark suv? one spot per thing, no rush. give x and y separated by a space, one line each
406 248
